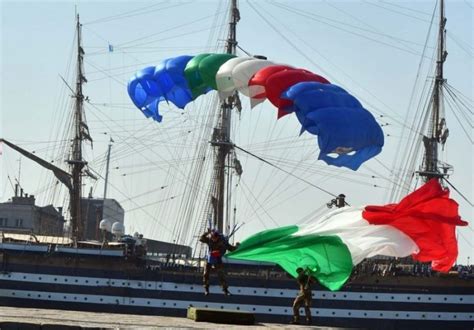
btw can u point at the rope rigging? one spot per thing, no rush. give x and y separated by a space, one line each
137 12
460 194
285 171
176 155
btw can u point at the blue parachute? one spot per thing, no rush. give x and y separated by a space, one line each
344 128
165 82
146 93
169 75
348 134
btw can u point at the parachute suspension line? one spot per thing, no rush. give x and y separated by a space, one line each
413 145
389 179
255 210
288 40
285 171
271 176
314 214
460 194
221 137
297 49
366 90
373 96
468 241
324 172
397 189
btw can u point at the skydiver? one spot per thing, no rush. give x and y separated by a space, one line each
304 296
218 246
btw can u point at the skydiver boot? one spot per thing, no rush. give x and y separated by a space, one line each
309 319
206 290
295 320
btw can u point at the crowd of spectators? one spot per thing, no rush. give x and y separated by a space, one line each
397 267
466 272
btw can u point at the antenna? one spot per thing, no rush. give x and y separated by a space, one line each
19 170
107 167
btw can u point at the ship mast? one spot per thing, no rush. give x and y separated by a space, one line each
221 136
73 180
76 162
437 131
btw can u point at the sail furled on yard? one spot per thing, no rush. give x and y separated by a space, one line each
348 134
421 225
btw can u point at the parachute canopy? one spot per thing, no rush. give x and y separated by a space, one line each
348 134
423 225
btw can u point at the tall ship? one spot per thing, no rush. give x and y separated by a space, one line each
120 273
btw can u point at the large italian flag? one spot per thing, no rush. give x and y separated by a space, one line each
422 225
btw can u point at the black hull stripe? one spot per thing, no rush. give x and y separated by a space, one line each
234 299
194 277
180 285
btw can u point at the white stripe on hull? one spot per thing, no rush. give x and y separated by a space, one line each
236 290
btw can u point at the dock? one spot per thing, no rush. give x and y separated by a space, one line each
48 319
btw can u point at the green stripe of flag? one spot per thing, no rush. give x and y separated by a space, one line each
326 257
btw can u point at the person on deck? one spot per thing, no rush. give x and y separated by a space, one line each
218 246
304 296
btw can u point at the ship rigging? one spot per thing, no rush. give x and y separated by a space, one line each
33 274
177 209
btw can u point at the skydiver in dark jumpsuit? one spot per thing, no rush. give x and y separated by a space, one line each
217 248
304 297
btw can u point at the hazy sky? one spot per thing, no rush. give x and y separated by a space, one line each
372 49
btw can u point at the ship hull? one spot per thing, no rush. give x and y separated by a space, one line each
117 285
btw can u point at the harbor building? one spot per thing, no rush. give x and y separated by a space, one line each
20 214
96 209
